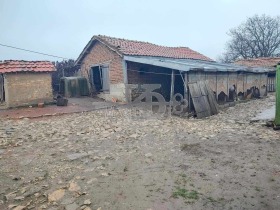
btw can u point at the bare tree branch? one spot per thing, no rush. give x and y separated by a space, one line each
258 36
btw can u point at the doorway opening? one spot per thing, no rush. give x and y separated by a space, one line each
100 78
232 93
2 89
222 98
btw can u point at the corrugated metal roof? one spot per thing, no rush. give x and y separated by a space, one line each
193 65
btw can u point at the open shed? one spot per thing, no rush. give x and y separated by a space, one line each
229 82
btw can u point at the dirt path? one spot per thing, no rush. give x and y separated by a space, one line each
108 160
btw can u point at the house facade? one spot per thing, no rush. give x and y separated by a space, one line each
25 83
112 66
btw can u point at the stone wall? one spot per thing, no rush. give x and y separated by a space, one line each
27 88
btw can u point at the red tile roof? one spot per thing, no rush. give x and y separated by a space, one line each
269 62
130 47
10 66
138 48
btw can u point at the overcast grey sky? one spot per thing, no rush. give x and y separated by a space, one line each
63 27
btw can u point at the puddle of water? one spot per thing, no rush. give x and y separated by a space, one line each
268 114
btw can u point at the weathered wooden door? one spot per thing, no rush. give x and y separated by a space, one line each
105 78
271 84
200 100
203 99
2 96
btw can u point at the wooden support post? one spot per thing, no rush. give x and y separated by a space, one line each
277 115
243 84
260 85
267 83
227 84
217 86
172 89
188 96
172 85
1 88
184 84
236 91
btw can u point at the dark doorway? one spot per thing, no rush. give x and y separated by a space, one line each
222 98
96 78
100 78
2 90
271 81
179 86
232 93
240 96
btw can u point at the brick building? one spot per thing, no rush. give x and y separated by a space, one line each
25 82
112 65
104 56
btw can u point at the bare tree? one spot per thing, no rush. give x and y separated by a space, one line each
65 68
259 36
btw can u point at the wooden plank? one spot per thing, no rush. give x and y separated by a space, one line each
203 88
212 100
172 87
205 92
201 107
105 78
206 106
200 101
195 90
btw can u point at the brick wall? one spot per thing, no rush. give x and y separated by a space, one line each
27 88
100 54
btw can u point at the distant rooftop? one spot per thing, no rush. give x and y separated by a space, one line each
269 62
9 66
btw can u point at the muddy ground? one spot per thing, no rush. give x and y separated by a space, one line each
112 159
